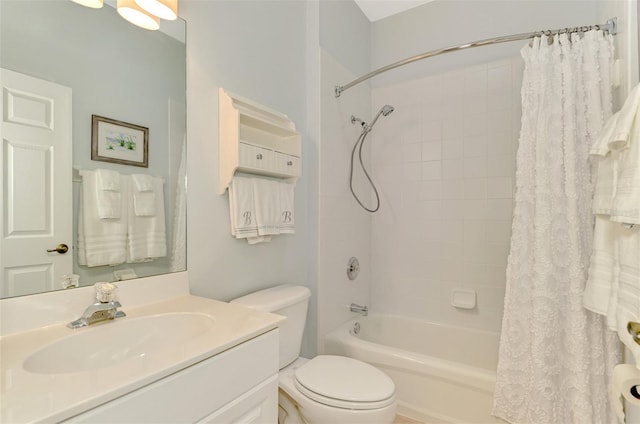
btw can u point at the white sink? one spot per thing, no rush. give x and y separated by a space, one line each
114 342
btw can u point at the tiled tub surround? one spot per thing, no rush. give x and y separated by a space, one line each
445 164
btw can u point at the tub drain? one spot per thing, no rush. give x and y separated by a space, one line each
356 328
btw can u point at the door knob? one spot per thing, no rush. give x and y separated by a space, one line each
61 248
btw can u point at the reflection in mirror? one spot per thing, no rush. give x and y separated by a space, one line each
61 64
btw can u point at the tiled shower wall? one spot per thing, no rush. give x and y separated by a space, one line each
444 162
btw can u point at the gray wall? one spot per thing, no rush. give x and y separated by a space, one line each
445 23
257 49
345 33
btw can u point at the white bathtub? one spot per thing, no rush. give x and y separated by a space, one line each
442 373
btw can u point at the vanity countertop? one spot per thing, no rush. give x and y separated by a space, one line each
34 397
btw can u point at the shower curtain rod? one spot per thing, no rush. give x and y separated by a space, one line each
611 26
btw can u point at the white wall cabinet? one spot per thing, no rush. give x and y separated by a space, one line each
256 139
239 385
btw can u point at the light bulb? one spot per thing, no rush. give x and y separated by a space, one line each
94 4
165 9
129 10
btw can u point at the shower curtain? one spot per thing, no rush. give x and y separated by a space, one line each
555 357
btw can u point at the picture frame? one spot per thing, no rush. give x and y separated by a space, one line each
119 142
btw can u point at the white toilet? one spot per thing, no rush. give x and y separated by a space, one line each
326 389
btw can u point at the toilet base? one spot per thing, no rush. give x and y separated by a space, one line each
295 408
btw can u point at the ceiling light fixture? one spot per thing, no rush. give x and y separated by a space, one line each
164 9
133 13
94 4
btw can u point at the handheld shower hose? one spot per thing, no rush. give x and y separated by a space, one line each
366 129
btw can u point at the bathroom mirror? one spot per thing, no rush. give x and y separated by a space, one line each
115 70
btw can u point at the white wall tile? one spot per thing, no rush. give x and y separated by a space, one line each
452 128
475 167
432 150
475 209
475 146
499 231
452 148
452 169
412 152
412 171
499 209
499 187
453 209
474 124
431 190
432 170
432 130
453 189
500 166
448 220
475 188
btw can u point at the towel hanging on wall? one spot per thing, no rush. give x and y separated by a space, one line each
260 208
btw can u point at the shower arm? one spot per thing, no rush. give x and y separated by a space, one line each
611 26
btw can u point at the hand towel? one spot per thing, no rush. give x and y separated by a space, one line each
241 210
101 241
108 196
625 207
146 235
143 182
607 164
287 215
144 195
629 287
266 200
600 294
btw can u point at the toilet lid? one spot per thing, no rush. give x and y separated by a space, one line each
345 383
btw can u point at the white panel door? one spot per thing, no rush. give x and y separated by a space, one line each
36 210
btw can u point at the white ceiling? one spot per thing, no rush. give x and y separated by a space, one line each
378 9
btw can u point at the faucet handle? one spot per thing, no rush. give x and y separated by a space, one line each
105 292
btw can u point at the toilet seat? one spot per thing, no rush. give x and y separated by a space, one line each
345 383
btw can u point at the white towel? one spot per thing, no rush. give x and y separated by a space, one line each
287 214
144 195
100 241
623 132
625 207
146 235
628 308
108 196
599 296
143 182
241 210
606 176
266 200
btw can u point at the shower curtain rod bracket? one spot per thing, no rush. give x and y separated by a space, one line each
611 26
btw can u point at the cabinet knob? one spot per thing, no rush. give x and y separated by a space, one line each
259 156
289 163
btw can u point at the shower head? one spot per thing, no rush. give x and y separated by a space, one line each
384 111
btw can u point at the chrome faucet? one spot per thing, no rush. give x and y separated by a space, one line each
362 310
104 308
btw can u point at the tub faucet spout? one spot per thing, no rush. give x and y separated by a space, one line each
362 310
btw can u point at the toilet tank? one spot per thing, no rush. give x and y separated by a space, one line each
290 301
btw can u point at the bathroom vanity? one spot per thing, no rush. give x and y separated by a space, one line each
173 358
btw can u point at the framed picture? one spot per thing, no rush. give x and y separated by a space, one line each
119 142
